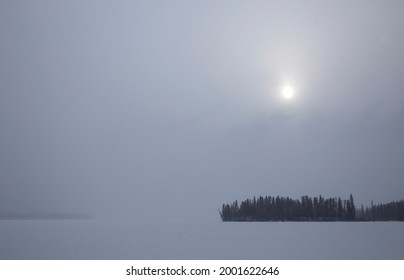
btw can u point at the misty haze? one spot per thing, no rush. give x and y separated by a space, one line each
126 127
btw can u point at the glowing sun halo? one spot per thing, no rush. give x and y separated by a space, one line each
288 92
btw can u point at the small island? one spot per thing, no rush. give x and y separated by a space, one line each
270 208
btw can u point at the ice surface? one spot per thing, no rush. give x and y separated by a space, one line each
104 239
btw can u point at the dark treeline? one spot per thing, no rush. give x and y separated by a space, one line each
309 209
392 211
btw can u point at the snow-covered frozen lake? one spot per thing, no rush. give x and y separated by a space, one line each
104 239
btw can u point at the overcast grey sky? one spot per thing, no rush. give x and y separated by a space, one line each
167 109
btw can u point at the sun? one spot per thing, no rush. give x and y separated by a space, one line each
288 92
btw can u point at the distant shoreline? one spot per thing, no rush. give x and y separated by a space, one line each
311 221
309 209
44 216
